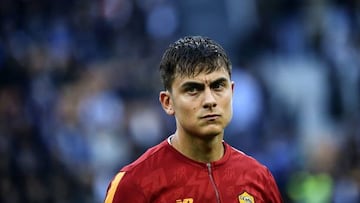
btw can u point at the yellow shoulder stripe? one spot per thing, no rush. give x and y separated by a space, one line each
111 193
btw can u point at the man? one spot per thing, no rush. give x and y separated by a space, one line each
195 165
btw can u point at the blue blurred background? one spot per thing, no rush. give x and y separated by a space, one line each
79 91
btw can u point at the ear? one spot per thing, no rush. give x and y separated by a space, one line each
166 103
232 86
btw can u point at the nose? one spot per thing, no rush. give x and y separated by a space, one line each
209 99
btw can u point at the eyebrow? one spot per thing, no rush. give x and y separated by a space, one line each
219 80
192 84
201 85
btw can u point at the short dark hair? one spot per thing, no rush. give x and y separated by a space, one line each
190 56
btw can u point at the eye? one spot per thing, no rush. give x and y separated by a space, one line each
192 90
218 85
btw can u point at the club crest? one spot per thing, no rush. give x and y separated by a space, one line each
246 198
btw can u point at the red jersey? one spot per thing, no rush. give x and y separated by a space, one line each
164 175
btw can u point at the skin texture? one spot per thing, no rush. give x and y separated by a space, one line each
202 106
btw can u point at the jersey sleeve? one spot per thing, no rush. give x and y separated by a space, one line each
123 189
273 192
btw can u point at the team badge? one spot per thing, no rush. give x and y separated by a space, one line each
246 198
187 200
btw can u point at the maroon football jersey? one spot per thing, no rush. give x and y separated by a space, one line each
164 175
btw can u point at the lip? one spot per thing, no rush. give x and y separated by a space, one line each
211 116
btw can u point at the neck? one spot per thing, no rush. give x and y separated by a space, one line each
198 149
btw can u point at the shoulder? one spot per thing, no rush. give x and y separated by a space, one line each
127 184
246 162
149 158
254 173
238 155
251 169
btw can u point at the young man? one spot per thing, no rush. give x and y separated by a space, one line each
195 165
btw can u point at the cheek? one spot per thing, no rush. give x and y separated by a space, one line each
188 108
230 109
185 107
228 104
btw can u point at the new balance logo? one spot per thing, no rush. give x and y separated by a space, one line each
187 200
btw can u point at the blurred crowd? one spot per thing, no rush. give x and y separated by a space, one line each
79 91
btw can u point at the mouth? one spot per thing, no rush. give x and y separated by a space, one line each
210 116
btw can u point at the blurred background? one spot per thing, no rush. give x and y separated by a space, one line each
79 90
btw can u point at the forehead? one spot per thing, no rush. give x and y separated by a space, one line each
201 77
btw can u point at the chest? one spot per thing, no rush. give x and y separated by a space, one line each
198 185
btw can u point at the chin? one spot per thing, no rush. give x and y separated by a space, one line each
213 133
208 131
